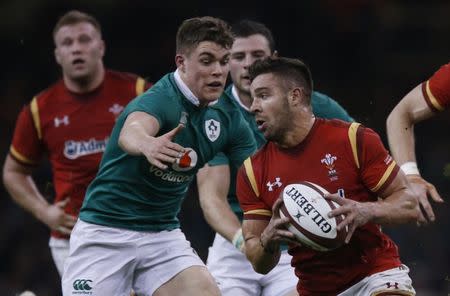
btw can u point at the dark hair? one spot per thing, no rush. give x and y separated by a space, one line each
195 30
246 28
292 71
74 17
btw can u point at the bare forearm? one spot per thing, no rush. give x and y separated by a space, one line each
220 217
400 132
400 207
263 261
131 139
24 192
411 110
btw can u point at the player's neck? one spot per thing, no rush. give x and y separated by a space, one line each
299 131
86 85
244 97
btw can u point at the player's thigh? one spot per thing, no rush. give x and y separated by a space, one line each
280 281
60 251
163 257
101 261
195 280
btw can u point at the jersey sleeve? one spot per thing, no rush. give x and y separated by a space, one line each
219 159
26 145
243 142
325 107
377 167
436 90
248 194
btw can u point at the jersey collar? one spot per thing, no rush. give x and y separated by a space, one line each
236 97
186 91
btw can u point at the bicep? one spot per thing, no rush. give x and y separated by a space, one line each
398 183
12 167
141 120
414 106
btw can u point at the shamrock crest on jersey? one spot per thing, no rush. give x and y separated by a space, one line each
212 129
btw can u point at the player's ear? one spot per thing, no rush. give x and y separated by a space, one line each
180 62
296 96
57 56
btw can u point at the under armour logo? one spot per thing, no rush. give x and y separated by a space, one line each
389 285
64 120
276 183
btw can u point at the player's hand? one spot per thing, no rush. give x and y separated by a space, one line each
276 231
161 151
55 217
356 213
423 189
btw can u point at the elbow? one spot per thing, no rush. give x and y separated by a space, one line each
261 269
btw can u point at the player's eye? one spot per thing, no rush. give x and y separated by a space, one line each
205 61
238 57
224 61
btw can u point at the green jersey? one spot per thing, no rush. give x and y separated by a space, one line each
128 192
322 106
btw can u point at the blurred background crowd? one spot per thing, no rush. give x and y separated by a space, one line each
365 54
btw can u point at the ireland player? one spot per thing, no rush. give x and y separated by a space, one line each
128 234
234 274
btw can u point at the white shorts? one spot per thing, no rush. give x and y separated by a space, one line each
394 281
60 251
112 261
234 274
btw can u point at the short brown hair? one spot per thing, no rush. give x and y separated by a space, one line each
293 71
73 17
195 30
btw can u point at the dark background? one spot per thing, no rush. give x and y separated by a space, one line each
365 54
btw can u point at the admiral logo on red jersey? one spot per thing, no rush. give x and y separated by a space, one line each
75 149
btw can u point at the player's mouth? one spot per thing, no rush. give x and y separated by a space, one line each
262 125
245 78
215 85
78 62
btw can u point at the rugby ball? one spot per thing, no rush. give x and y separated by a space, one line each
307 209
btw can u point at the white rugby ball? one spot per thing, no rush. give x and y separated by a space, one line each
307 209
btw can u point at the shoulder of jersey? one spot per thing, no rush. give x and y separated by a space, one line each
112 74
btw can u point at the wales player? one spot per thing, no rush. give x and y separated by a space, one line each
226 261
128 235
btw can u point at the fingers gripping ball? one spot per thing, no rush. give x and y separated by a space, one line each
307 209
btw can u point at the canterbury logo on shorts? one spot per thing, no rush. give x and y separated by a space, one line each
82 285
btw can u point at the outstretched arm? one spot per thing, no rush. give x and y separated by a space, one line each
137 137
400 130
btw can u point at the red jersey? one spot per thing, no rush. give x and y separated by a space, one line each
340 157
72 130
436 90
